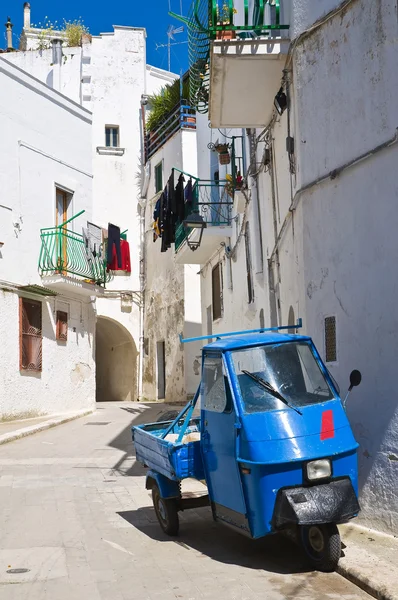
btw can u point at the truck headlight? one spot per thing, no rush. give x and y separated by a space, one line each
319 469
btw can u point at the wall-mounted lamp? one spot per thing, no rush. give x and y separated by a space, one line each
280 101
194 221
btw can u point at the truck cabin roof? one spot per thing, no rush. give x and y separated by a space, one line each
250 340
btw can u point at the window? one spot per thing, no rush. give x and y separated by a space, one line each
330 339
213 386
112 136
250 289
291 369
62 326
216 285
30 335
158 178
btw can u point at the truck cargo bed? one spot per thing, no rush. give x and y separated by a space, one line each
175 460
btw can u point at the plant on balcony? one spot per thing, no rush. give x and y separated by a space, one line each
223 152
230 186
163 103
224 19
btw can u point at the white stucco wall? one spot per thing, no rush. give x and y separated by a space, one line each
33 120
337 253
172 291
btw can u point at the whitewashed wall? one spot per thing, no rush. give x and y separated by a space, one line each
33 120
172 291
336 255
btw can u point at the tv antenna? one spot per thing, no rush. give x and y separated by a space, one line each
170 34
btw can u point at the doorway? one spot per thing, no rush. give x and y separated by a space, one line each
161 369
115 361
63 203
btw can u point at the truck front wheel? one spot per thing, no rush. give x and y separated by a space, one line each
322 544
166 512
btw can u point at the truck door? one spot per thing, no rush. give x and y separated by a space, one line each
218 444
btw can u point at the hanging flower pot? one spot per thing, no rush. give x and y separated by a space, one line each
224 158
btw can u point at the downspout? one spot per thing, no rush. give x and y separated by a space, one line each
257 237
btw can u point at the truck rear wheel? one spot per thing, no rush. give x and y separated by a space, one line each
166 512
322 544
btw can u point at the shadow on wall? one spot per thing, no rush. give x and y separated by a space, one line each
116 362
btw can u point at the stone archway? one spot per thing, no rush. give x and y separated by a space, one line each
116 362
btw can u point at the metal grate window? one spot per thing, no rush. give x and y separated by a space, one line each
30 328
330 339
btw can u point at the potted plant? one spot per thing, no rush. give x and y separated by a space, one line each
225 34
223 152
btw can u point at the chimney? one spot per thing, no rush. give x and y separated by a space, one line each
9 27
26 15
57 63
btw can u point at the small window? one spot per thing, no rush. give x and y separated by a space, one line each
112 137
158 178
217 290
250 289
30 332
62 326
330 339
213 390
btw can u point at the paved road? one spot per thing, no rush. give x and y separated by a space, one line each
74 511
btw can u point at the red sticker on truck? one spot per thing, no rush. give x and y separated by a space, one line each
327 428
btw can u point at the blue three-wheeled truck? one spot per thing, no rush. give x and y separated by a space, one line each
273 444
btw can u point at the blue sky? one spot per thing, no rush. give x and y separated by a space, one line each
99 16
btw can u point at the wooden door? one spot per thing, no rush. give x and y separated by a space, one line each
61 216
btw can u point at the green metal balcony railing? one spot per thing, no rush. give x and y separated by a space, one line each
211 200
64 252
208 20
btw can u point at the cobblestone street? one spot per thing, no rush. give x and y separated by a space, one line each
75 512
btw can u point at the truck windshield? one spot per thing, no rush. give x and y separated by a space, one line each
289 367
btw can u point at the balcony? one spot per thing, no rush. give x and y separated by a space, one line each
181 117
214 203
237 53
66 266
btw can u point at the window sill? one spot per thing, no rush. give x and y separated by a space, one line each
107 151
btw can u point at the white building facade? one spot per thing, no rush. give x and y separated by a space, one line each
106 74
47 331
315 234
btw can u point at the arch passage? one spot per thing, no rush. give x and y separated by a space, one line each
116 362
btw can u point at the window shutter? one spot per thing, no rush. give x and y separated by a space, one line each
62 326
217 292
30 317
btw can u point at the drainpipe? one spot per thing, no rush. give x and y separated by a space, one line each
257 238
57 63
142 294
9 27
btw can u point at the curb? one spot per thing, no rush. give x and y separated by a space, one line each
360 580
25 431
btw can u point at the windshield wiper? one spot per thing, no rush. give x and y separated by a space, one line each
267 386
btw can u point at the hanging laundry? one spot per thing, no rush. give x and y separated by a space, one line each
114 242
125 264
179 195
189 196
94 238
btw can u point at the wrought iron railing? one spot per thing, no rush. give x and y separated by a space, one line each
208 20
64 252
181 117
211 200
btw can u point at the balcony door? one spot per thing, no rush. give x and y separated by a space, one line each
63 202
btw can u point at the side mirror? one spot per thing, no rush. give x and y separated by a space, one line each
355 379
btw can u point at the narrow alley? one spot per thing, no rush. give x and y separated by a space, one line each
74 512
